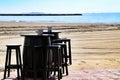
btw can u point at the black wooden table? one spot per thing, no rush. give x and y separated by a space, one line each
34 54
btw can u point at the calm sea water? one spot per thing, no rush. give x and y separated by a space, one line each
85 18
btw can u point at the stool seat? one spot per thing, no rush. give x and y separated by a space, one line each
9 65
61 40
13 45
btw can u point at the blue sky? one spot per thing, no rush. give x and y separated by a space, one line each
59 6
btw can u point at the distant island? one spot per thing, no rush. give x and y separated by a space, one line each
33 13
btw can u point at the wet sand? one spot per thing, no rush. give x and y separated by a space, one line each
94 46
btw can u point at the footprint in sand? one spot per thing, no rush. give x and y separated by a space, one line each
83 62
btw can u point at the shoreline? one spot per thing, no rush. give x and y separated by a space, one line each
94 46
17 28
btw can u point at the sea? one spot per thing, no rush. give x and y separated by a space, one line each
84 18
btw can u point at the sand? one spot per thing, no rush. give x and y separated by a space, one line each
94 46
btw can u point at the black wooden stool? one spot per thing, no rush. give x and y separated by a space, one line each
68 44
54 55
9 65
64 57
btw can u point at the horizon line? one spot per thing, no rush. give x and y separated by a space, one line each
39 14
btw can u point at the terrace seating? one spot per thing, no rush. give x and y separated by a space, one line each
64 57
54 64
66 52
9 65
68 45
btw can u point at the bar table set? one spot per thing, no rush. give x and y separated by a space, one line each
46 56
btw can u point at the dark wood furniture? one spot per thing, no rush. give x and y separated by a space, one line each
55 63
9 65
68 47
44 54
35 55
65 47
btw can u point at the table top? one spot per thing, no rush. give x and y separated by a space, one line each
53 31
36 35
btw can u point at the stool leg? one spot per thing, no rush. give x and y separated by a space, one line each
62 51
60 63
22 75
65 52
9 60
70 59
6 63
20 63
64 59
17 60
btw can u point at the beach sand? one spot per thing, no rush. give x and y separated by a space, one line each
94 46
